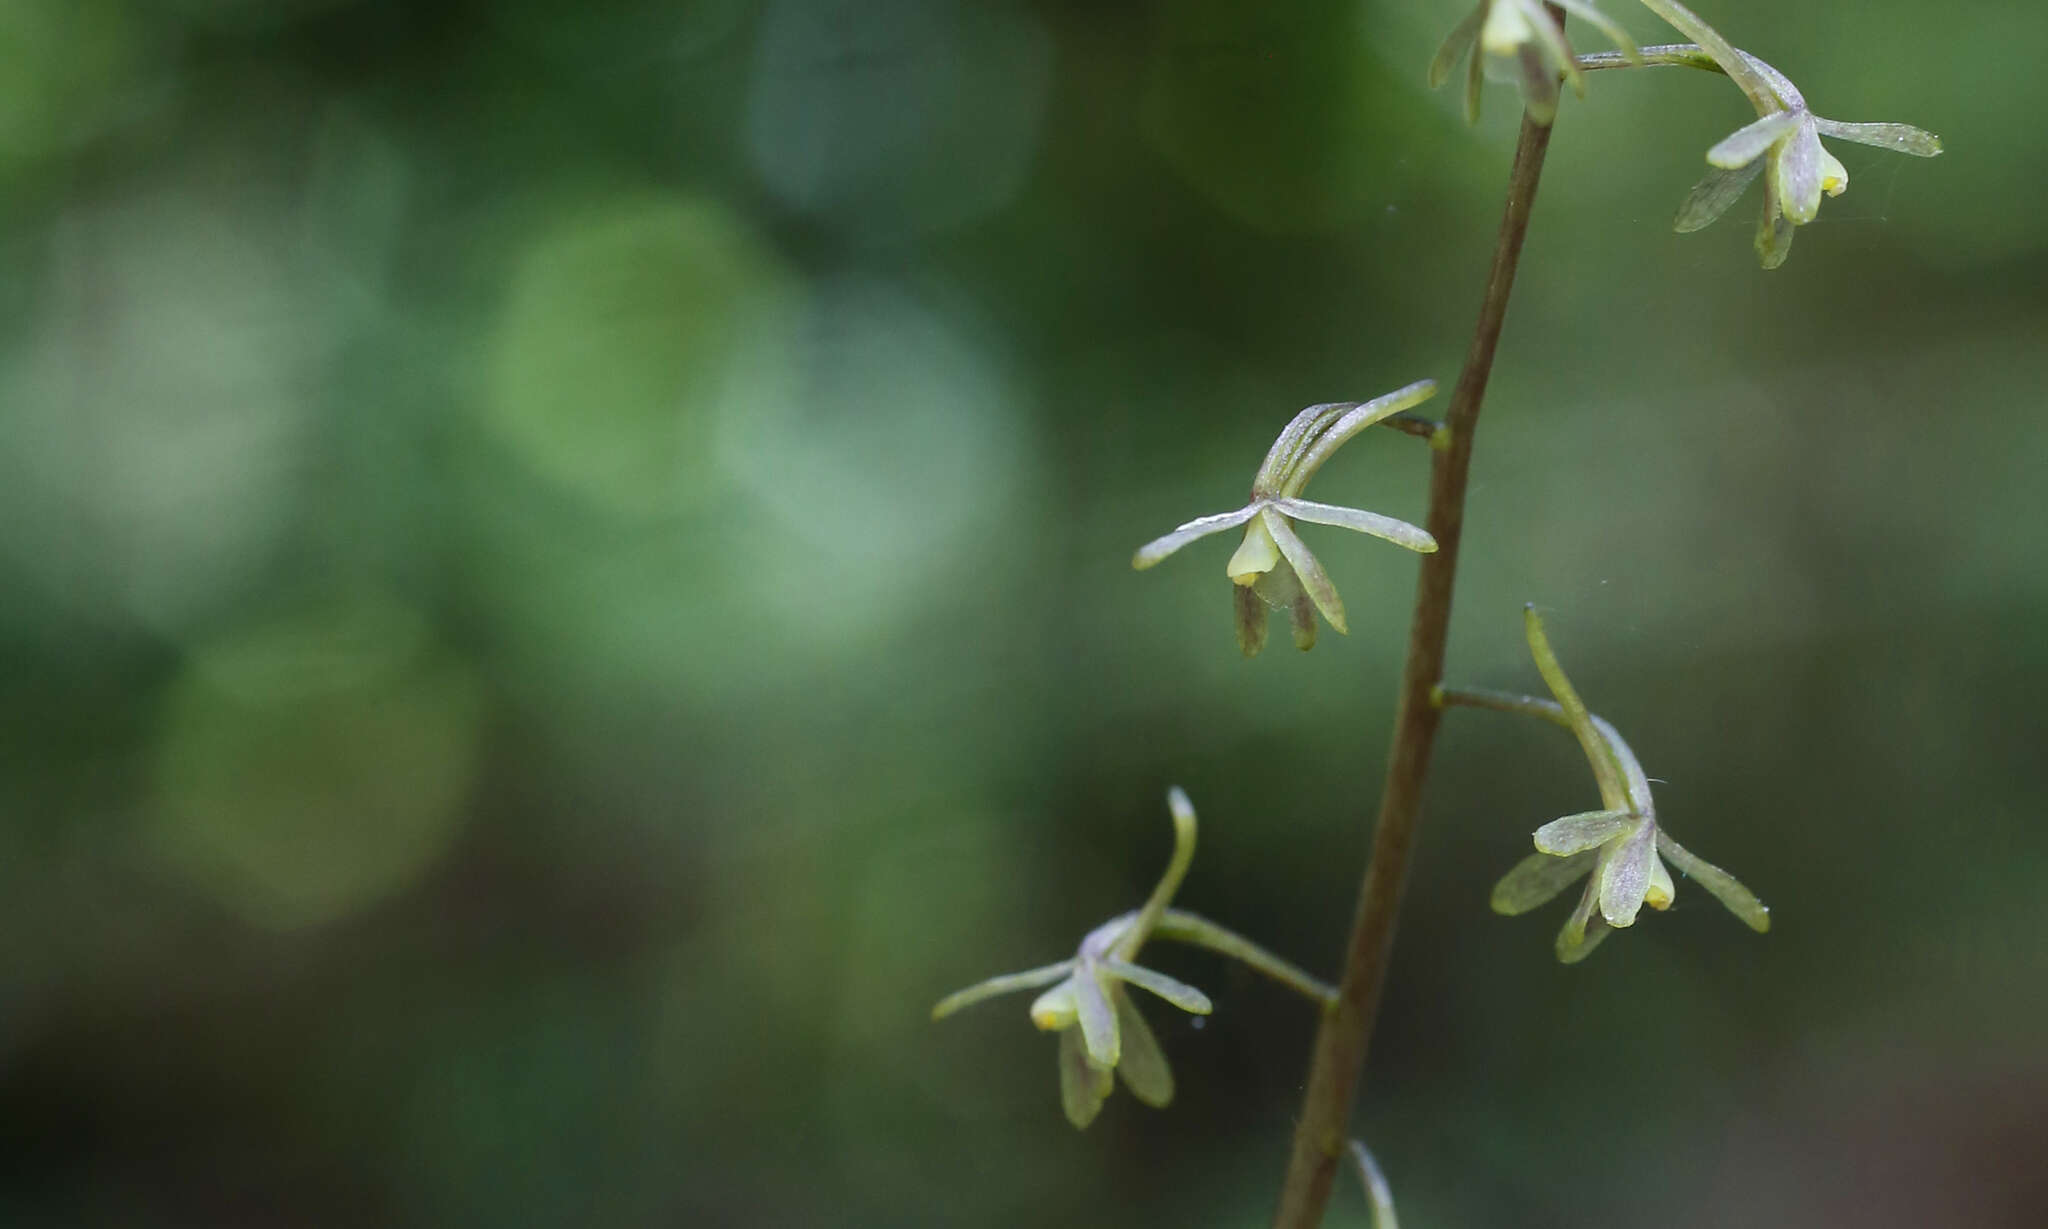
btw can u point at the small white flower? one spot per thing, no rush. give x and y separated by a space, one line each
1619 845
1102 1035
1517 40
1272 564
1783 145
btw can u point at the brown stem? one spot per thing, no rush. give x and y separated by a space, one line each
1346 1030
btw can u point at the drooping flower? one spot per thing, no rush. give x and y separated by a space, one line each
1272 565
1619 846
1517 40
1782 145
1102 1033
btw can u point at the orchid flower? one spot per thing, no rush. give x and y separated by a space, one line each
1782 145
1618 846
1517 40
1101 1031
1272 564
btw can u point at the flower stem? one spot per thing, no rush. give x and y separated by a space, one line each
1346 1029
1503 702
1668 55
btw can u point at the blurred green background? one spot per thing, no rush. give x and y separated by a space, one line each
564 574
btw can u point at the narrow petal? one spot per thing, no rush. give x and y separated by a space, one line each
1084 1085
1711 197
1725 887
1006 984
1600 21
1201 527
1899 138
1577 833
1797 170
1185 927
1456 43
1144 1068
1178 993
1575 944
1310 572
1583 930
1536 879
1749 142
1774 231
1625 875
1348 426
1302 614
1399 532
1294 437
1251 620
1097 1018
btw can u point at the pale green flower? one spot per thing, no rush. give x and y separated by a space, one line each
1618 845
1101 1031
1782 145
1517 40
1272 564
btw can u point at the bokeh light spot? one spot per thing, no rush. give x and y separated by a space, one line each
314 764
619 326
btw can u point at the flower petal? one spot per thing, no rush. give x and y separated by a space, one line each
1084 1085
1899 138
1749 142
1143 1068
1302 614
1625 875
1797 169
1455 44
1006 984
1201 527
1577 833
1178 993
1600 21
1711 197
1536 879
1575 943
1583 930
1399 532
1774 231
1345 428
1661 891
1310 572
1097 1018
1725 887
1255 556
1251 620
